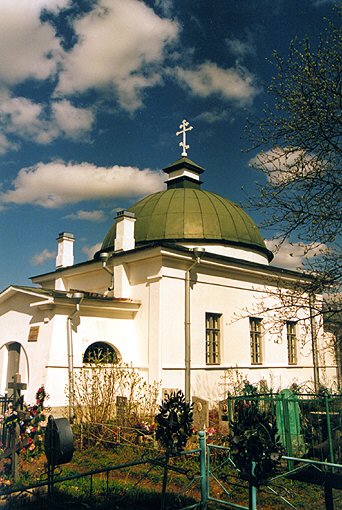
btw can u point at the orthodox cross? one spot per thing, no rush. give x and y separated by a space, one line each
17 386
184 127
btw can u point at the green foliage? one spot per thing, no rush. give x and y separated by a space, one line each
174 422
254 441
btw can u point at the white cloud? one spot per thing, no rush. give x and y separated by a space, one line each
42 257
283 165
215 116
293 255
119 44
21 118
233 84
73 121
86 216
90 251
166 6
6 144
29 47
58 183
25 119
240 48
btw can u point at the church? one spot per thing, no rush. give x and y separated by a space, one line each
182 288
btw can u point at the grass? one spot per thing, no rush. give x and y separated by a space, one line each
139 486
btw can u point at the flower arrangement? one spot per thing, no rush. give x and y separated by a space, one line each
31 428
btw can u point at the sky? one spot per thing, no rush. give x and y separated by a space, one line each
92 93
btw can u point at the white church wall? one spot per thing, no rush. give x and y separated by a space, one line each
232 251
228 297
145 280
15 327
92 278
120 333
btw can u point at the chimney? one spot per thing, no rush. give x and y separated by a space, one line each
65 251
124 239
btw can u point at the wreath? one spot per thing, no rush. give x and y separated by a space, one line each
254 441
174 422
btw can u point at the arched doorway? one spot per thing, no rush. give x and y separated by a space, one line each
13 361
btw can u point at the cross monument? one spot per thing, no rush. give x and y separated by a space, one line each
17 386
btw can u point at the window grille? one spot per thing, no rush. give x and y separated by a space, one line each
213 338
255 327
291 342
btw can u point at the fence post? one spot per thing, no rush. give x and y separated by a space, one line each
287 430
229 406
331 446
203 469
252 492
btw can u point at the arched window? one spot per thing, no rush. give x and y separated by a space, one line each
100 352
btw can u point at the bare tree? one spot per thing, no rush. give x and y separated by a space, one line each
299 144
299 138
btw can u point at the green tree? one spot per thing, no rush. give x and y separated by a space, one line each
300 137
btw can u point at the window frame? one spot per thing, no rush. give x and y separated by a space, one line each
291 341
256 340
110 350
213 335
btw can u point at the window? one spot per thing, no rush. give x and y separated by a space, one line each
255 328
100 352
212 338
291 342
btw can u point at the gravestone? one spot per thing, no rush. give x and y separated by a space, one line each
58 441
121 410
223 416
288 423
200 413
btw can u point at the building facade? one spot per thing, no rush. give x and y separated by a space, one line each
182 289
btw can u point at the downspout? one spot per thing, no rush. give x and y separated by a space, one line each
313 332
70 347
104 257
199 252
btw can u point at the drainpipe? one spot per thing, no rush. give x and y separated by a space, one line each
313 332
198 252
78 296
104 257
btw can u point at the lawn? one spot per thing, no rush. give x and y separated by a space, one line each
140 486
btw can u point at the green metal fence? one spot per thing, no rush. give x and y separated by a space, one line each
309 425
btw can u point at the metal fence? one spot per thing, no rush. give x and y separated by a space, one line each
104 481
4 402
210 479
309 425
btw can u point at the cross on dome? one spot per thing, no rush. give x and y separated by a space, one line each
184 127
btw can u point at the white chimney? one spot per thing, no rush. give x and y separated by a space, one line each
65 250
124 239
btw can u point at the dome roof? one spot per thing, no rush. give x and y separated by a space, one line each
185 213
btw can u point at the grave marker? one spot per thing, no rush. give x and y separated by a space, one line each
17 386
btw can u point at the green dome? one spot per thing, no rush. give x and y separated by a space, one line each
186 214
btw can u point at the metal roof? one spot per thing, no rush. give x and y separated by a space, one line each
186 214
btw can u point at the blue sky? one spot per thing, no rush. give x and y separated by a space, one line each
93 92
